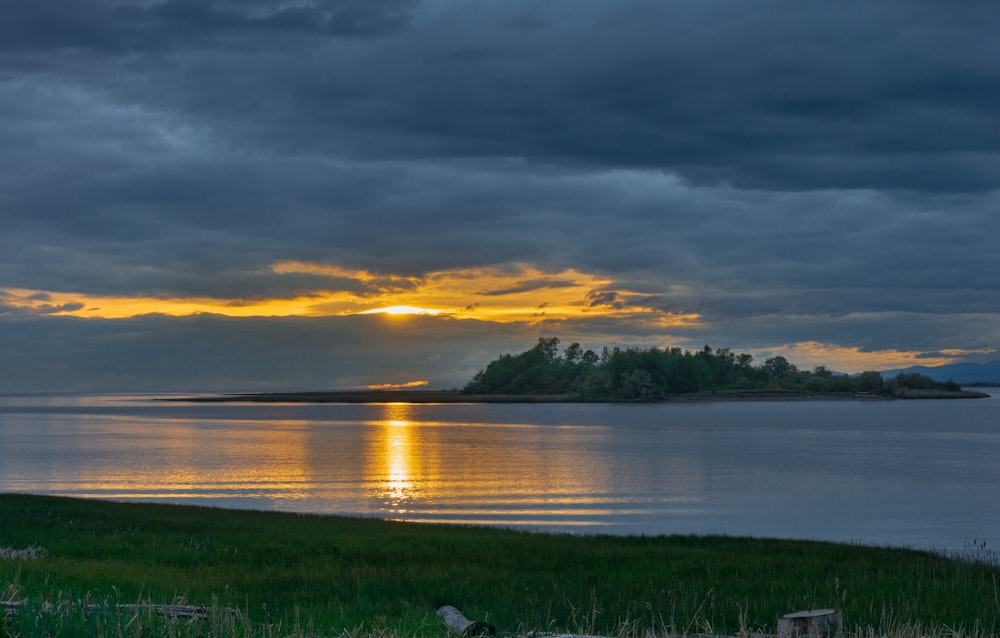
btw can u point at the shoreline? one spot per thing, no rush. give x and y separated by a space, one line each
458 396
340 575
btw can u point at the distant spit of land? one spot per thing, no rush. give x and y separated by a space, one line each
458 396
541 375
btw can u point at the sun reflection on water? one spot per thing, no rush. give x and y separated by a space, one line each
188 459
395 460
394 457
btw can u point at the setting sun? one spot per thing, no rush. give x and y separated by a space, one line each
401 310
514 293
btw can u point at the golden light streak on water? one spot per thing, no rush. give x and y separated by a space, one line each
428 471
394 458
194 462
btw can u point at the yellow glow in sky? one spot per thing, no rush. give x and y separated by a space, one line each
519 293
809 354
120 307
402 310
397 386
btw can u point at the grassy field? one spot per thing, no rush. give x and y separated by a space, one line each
73 561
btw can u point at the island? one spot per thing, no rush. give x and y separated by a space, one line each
542 374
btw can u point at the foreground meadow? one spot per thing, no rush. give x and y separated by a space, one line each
82 567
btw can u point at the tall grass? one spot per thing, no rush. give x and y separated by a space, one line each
98 562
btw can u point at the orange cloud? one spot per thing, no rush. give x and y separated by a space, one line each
809 354
500 294
119 307
397 386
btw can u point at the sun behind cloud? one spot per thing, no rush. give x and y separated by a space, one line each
524 296
510 293
402 310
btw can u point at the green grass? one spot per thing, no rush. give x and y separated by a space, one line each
293 574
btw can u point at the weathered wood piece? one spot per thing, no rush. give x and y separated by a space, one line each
176 611
459 624
814 623
28 553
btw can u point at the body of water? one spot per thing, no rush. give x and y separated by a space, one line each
915 473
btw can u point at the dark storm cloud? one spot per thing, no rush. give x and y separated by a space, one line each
770 95
528 286
49 309
779 168
606 298
127 26
5 306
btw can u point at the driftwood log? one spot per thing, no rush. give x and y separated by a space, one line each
175 611
459 624
815 623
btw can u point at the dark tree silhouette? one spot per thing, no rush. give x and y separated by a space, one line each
636 374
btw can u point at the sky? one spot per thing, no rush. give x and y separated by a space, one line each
230 195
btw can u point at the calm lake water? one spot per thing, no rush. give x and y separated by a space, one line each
915 473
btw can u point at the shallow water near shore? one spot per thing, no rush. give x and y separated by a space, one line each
903 473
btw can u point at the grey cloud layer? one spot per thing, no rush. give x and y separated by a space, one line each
774 95
757 164
209 353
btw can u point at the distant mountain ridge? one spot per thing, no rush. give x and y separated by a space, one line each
957 372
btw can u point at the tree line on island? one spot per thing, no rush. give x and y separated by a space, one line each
651 374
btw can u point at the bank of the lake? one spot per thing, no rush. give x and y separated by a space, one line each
289 574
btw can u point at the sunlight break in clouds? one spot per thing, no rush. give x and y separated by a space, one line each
809 354
518 293
402 310
397 386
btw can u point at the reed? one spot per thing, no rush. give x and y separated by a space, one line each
100 566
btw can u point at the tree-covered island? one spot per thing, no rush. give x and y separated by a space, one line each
655 374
